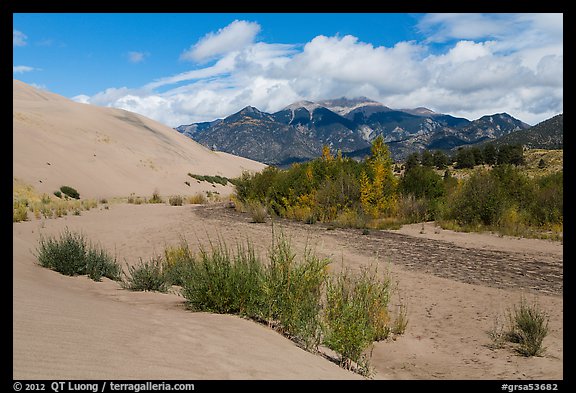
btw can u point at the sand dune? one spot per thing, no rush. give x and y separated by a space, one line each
106 152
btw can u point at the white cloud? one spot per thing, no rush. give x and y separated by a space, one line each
235 36
488 69
82 98
18 38
137 57
22 69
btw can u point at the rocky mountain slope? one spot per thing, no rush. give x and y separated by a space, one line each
299 131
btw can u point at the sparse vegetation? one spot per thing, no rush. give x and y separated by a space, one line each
27 200
71 256
295 296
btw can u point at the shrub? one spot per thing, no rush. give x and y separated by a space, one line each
176 200
146 276
156 198
294 291
71 255
69 191
481 200
178 264
529 327
356 315
225 283
66 255
100 264
58 194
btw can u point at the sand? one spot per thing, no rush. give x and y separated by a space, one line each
72 327
107 152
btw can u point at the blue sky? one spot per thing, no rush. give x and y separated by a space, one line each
183 68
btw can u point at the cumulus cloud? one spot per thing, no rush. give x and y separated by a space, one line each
18 38
503 63
22 69
235 36
137 57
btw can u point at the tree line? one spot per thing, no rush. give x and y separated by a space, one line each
368 194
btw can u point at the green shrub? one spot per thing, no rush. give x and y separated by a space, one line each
293 290
58 194
69 191
176 200
529 327
66 255
71 255
481 200
146 276
178 264
356 314
225 283
100 264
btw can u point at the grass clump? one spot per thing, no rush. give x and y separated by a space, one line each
197 199
146 276
258 211
156 198
71 255
176 200
223 282
19 211
527 328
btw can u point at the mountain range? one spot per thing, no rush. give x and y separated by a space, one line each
548 134
299 131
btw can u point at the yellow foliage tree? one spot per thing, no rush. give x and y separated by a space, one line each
378 195
326 155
